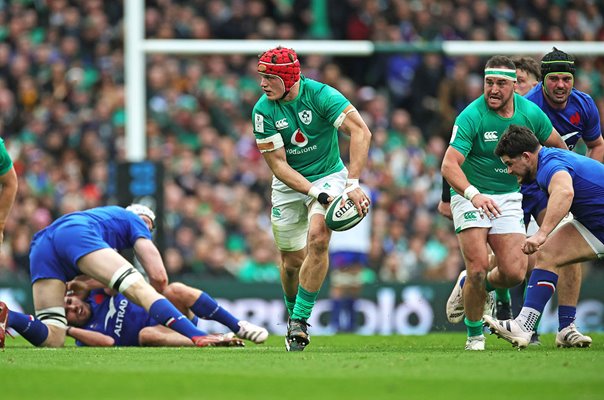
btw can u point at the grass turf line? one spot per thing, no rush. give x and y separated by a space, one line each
333 367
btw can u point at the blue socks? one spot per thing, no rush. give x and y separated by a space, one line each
33 330
207 308
540 288
336 310
349 308
566 316
166 314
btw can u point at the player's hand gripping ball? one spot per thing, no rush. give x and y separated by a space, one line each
342 218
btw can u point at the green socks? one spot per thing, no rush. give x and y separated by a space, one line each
305 301
474 327
290 302
503 295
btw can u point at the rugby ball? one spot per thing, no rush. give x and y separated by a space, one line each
342 218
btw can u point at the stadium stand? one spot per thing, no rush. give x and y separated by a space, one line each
62 117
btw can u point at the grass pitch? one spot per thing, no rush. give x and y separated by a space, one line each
332 367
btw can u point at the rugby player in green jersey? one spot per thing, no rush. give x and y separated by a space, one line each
8 192
296 125
486 203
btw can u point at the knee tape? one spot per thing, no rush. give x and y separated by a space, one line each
53 316
124 277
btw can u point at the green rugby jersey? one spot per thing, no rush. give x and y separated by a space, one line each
476 133
5 161
306 125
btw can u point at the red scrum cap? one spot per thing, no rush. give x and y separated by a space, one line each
281 62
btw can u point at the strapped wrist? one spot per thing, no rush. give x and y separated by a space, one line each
314 192
470 192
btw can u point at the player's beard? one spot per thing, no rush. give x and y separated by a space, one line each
504 103
526 177
558 100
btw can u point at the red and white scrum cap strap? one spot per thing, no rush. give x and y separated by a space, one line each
281 62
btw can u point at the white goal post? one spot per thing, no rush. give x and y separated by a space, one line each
137 47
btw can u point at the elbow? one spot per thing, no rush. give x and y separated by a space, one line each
444 169
159 283
568 194
368 135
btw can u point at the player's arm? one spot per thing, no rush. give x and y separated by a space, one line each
354 126
452 172
555 140
161 336
90 338
81 286
595 149
561 195
360 139
151 260
444 205
278 164
9 184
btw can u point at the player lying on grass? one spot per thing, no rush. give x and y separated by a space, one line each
102 317
573 183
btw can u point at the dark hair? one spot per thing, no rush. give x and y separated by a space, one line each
516 140
500 61
528 65
557 61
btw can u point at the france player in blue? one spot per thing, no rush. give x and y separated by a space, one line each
87 243
573 183
100 317
575 116
108 320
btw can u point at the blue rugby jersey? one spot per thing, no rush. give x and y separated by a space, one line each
56 249
118 317
588 183
115 225
580 118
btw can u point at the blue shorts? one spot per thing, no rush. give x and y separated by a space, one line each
342 259
534 200
595 229
54 253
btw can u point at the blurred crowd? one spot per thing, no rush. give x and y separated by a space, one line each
62 117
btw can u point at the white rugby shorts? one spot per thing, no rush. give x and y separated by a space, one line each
291 211
511 220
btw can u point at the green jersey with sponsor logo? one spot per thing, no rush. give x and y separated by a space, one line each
306 125
476 133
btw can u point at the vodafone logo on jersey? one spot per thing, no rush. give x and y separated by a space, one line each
299 138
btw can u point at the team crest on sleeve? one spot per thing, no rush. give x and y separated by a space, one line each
305 116
259 122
